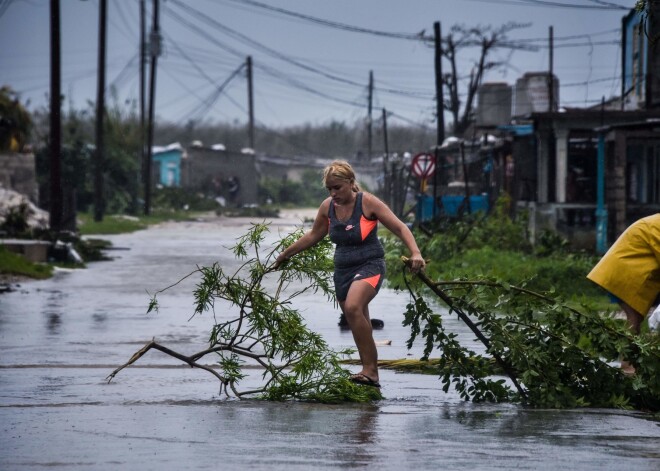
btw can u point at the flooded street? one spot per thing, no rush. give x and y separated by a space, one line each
60 338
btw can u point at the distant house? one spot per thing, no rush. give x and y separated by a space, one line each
556 151
167 164
640 84
231 177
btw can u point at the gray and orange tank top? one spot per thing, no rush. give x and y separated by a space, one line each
356 239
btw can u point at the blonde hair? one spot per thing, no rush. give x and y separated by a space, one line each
341 170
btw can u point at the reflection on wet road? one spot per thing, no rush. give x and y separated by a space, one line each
60 338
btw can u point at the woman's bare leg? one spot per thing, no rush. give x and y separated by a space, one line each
356 309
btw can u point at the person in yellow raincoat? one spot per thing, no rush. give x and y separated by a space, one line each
630 270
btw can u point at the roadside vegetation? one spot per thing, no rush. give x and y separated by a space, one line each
122 223
15 265
497 246
551 336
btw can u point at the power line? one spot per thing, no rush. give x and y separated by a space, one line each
297 84
125 23
201 71
198 113
4 5
553 4
285 58
292 82
334 24
123 74
597 43
613 5
570 38
262 47
409 121
588 82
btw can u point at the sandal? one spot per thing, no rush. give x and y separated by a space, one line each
364 380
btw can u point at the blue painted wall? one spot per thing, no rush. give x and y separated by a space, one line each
169 162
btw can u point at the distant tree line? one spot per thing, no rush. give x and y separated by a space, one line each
123 191
329 140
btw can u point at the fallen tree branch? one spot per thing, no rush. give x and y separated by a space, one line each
153 345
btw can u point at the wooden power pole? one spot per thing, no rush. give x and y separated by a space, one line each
154 51
440 110
99 200
551 81
143 106
55 207
250 102
386 160
369 119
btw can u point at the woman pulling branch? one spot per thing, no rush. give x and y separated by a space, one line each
350 217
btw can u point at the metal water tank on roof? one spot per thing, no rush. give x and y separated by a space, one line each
494 104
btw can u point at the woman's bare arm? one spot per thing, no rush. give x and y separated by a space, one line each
318 231
375 208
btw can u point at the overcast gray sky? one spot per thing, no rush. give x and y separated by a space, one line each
309 69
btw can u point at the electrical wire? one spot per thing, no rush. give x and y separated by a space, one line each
547 3
273 53
124 73
4 6
334 24
197 113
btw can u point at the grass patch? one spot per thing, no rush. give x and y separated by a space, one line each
565 273
121 224
15 264
496 247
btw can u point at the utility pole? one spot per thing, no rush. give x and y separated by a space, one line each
55 216
552 138
143 58
154 51
440 110
551 84
369 120
386 176
250 102
99 202
601 208
438 84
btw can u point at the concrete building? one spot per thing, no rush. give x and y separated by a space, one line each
229 175
494 103
533 93
640 84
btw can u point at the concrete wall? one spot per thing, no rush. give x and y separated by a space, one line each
531 93
369 175
210 171
17 172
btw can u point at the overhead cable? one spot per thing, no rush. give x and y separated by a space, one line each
334 24
553 4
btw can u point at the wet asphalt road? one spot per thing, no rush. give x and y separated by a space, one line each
60 338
